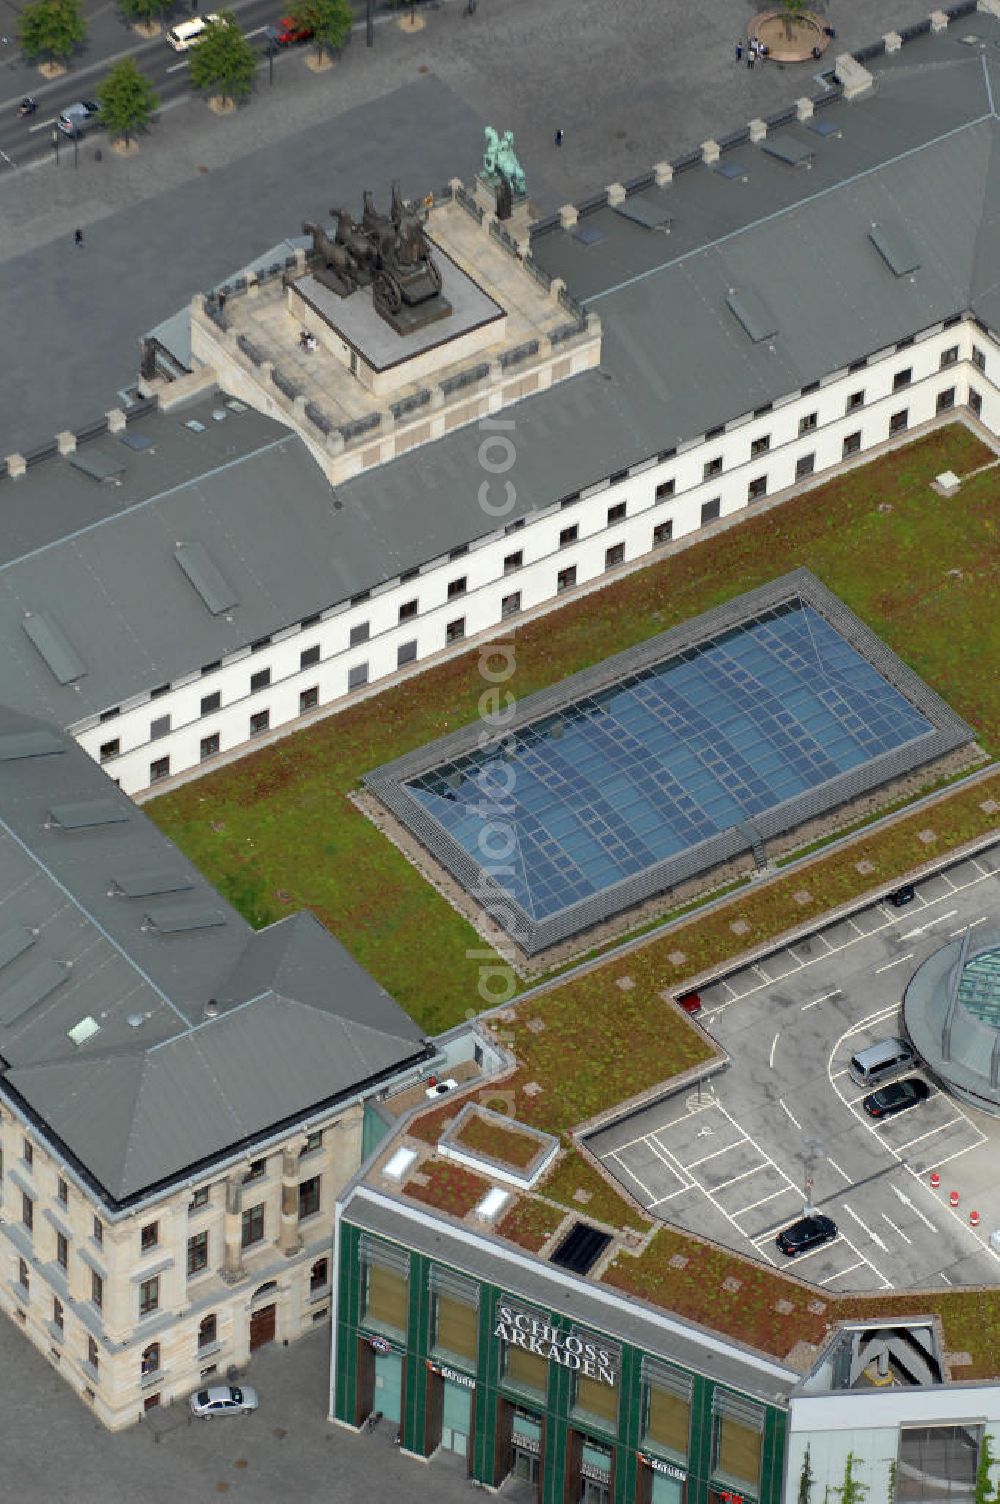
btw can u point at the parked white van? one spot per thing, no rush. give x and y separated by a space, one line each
186 34
871 1066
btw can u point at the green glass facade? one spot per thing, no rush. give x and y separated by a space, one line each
575 1425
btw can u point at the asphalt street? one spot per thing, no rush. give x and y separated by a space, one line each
731 1161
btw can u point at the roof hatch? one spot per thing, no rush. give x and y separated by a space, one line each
206 577
896 247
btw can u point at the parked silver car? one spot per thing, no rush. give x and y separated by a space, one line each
77 119
223 1399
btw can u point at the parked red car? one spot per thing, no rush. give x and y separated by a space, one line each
288 31
690 1002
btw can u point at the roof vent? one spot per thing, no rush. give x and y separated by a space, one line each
580 1248
84 1030
492 1204
136 1020
211 1008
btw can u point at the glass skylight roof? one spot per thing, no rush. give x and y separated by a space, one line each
619 780
671 759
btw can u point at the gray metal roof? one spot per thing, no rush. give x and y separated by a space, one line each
598 1307
790 246
297 1022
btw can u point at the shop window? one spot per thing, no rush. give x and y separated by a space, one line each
594 1398
937 1462
737 1435
524 1370
386 1298
456 1327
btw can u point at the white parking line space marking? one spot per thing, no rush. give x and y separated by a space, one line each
904 1198
865 1228
788 1111
724 1183
774 1042
896 1229
841 1272
693 1163
817 1000
834 1166
763 1201
922 929
970 926
897 962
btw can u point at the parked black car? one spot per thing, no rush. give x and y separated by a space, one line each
889 1100
808 1232
902 896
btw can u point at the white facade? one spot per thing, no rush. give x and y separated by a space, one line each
868 1424
324 662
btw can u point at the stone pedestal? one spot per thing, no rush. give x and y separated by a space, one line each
232 1258
289 1239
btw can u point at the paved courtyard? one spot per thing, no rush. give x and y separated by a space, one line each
731 1160
285 1454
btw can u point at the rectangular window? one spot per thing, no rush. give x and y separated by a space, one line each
62 1251
149 1296
510 605
208 1331
308 698
109 715
406 653
260 721
359 634
736 1450
96 1289
899 421
524 1370
313 1142
854 401
804 465
455 630
159 727
311 621
712 467
28 1152
858 365
975 401
757 488
710 510
663 532
665 489
309 656
257 1171
161 689
62 1191
978 358
309 1197
360 598
569 535
57 1313
811 386
253 1226
98 1233
594 1397
513 562
408 610
199 1198
946 400
949 357
852 443
211 703
938 1462
617 513
159 769
260 680
808 422
149 1236
457 553
386 1298
513 527
209 668
259 643
456 1328
902 378
23 1274
760 446
197 1253
571 501
92 1356
566 578
456 587
110 749
208 746
357 677
666 1420
408 575
614 555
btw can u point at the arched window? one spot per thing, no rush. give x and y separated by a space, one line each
319 1275
151 1359
207 1331
266 1289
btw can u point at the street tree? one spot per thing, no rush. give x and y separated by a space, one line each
223 62
330 22
127 100
145 11
51 29
791 11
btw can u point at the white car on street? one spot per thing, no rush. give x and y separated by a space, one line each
223 1399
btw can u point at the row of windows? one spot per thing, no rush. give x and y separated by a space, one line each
666 1406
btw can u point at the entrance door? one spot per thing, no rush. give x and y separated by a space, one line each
595 1492
527 1466
456 1418
262 1326
389 1385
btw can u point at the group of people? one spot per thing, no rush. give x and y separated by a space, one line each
753 49
307 341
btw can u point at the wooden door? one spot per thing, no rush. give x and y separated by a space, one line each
262 1327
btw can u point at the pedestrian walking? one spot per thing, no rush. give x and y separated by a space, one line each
559 136
751 55
78 237
739 52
